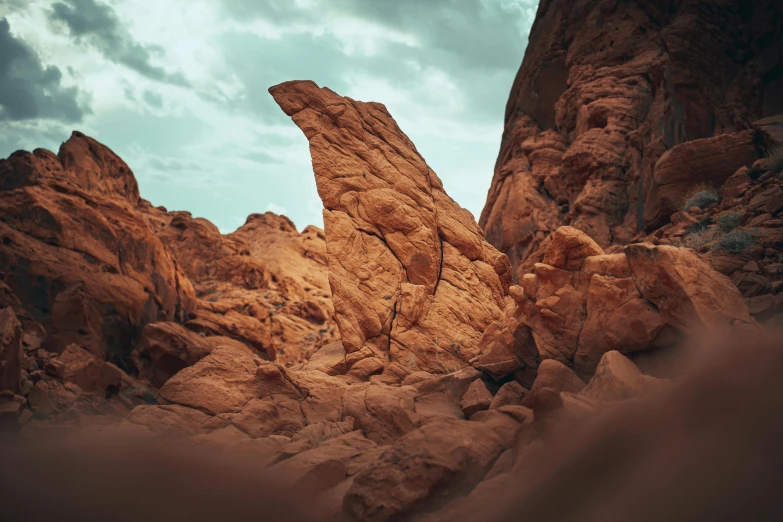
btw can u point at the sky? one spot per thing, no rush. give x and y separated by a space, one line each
178 89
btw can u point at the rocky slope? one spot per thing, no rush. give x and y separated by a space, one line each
446 376
264 284
438 383
616 114
105 296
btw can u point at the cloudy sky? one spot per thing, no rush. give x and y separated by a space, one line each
178 88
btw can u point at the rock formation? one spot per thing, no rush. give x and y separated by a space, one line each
616 113
264 284
412 278
629 195
105 297
79 256
581 303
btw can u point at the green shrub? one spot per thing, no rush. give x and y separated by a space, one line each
729 221
700 226
698 239
735 242
702 199
774 157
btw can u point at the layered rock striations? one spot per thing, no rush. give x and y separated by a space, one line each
77 253
105 297
265 284
412 278
616 113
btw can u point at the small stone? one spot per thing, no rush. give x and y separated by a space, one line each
476 398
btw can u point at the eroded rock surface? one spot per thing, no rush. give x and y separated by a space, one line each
412 278
264 285
641 299
616 113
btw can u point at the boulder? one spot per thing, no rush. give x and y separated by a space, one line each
166 348
423 470
78 366
475 399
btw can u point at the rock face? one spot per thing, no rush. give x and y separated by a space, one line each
406 263
264 284
740 236
588 303
104 297
617 112
78 254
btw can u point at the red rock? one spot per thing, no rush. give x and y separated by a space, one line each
618 318
641 299
424 469
616 378
10 351
318 469
688 294
404 258
80 367
441 396
264 285
556 377
100 274
509 394
475 399
596 104
569 248
330 359
224 382
166 348
710 160
171 420
382 413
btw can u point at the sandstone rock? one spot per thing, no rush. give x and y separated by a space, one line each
688 294
618 318
330 359
709 160
270 416
264 285
424 469
99 272
511 393
166 348
405 260
475 399
170 420
78 366
615 379
603 93
771 128
318 469
441 396
569 248
643 298
10 351
556 377
382 413
224 382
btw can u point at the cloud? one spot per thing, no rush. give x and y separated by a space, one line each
30 90
277 209
154 99
457 28
97 25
